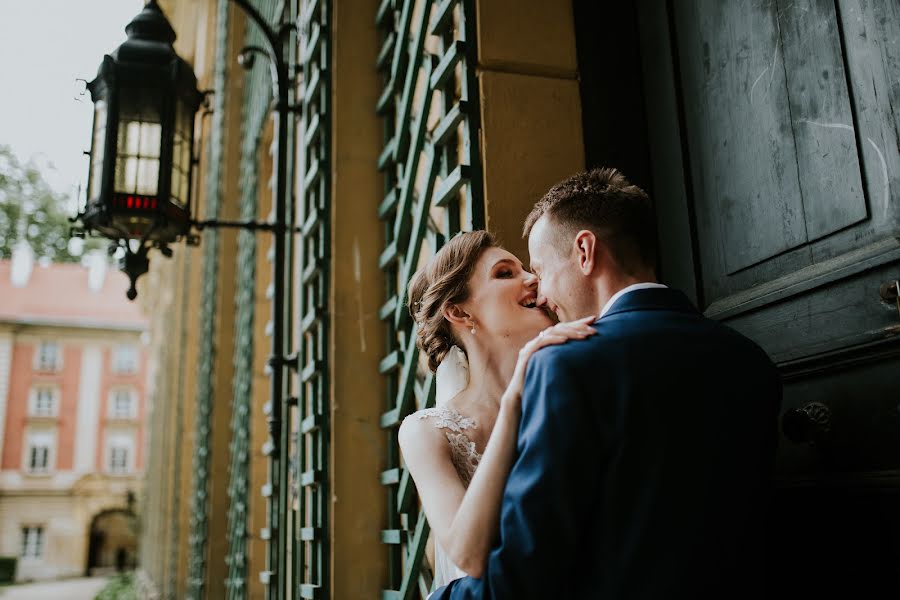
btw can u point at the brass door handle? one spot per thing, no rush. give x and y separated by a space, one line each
810 424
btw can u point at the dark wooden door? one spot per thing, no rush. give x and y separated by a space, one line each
772 131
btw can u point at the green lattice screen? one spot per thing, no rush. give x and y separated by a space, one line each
432 191
206 351
309 455
257 96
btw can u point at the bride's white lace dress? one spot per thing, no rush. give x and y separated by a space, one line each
452 377
465 459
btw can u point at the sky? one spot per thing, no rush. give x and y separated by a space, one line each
46 45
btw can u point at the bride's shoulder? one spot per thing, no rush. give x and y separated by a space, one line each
443 417
417 433
430 425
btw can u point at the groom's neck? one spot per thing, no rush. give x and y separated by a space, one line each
611 283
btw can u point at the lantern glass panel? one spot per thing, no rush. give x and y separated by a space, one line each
181 154
138 144
98 148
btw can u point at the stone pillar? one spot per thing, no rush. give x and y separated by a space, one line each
530 108
357 446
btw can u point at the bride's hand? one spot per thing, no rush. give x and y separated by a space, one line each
556 334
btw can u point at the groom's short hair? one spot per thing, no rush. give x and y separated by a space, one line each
603 201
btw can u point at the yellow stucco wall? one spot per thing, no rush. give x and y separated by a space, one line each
171 286
530 108
357 450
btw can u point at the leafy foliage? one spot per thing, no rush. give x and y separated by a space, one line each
31 210
120 587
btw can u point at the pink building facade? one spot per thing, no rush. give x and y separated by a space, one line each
73 401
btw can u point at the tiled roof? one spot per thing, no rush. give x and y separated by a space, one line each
59 294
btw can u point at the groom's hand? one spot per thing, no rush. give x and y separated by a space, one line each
556 334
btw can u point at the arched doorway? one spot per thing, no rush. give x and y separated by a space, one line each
112 542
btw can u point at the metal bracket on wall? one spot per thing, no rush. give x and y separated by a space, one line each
249 225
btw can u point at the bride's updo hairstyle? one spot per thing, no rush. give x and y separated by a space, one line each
443 281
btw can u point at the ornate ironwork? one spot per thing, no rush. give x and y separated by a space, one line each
196 571
274 27
433 190
257 96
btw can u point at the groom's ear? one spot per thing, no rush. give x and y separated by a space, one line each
585 246
456 315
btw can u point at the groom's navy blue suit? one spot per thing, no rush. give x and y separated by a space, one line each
645 460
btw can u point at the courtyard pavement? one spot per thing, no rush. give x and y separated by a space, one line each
84 588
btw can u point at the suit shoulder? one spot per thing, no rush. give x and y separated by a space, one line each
574 360
571 358
745 344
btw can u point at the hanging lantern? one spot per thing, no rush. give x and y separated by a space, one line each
145 99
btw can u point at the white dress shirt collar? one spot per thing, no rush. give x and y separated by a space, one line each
625 290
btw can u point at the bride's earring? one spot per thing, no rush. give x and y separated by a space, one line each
473 327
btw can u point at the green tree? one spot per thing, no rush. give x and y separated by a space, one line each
31 210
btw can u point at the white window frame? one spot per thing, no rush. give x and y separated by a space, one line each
35 395
33 542
39 439
125 358
112 413
122 465
46 367
120 442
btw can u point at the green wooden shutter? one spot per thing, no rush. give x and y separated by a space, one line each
309 442
433 190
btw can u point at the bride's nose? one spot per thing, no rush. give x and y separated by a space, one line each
531 280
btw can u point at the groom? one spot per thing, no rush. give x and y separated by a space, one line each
645 453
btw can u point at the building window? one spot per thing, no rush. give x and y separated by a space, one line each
125 359
43 401
122 404
118 459
48 357
32 542
39 453
119 454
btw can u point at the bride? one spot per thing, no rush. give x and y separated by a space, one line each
479 320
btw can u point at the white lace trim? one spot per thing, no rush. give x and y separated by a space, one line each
447 418
463 454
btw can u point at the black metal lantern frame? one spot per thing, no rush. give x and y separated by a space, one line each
139 179
138 195
142 145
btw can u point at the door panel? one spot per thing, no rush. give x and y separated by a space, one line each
826 307
860 436
773 135
822 122
789 143
743 163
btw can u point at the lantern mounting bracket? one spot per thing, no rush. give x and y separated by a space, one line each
247 56
278 228
205 102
